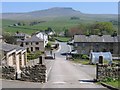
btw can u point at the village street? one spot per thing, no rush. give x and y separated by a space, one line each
65 74
62 74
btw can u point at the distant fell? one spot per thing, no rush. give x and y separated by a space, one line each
53 13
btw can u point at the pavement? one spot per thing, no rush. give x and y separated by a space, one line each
62 74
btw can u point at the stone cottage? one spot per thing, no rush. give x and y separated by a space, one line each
35 43
105 43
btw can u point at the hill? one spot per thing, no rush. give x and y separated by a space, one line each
57 18
53 13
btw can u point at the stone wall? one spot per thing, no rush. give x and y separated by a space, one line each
8 72
36 73
105 71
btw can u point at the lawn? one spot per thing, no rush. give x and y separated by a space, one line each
63 39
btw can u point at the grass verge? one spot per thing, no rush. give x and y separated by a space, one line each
82 61
113 83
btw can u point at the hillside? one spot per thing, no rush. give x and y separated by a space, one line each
56 18
53 13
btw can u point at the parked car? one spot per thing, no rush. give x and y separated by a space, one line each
66 53
73 52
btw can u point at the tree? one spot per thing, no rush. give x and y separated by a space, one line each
66 32
114 33
19 24
104 27
9 39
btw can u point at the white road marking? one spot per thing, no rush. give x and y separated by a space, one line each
86 82
59 49
49 71
69 48
59 82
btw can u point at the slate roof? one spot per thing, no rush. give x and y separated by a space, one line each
9 47
33 39
96 38
21 34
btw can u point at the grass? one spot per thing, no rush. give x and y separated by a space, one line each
58 24
113 83
116 61
84 62
63 39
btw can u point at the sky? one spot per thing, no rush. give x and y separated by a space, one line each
84 7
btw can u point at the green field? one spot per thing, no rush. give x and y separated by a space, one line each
57 24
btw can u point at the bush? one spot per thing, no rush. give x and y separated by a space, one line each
48 45
85 57
31 56
82 56
76 56
52 39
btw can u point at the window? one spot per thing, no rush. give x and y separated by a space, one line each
26 43
37 43
76 44
31 48
21 44
27 49
36 48
83 44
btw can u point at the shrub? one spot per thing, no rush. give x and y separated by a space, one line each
85 57
76 56
52 39
48 45
34 55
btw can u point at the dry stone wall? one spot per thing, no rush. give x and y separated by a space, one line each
105 71
36 73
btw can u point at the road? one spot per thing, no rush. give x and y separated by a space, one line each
64 74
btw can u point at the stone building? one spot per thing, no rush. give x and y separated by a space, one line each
21 36
106 43
35 43
13 55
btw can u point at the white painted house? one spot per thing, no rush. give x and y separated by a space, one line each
43 37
